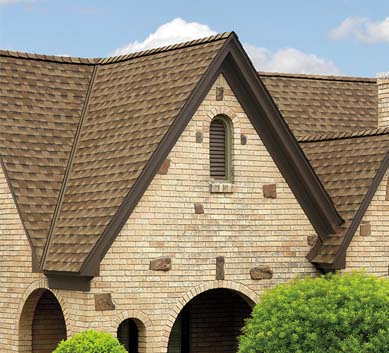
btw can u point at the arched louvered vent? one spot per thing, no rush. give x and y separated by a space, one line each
218 149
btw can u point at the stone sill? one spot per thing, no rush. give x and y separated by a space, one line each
221 187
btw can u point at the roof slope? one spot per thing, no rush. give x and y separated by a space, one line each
134 102
313 104
40 107
115 120
347 165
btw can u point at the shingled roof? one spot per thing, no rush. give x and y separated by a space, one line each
81 139
350 167
315 104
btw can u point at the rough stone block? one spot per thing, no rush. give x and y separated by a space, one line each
219 93
199 208
103 302
220 268
270 191
164 167
161 264
261 272
365 229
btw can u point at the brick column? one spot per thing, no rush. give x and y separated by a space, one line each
383 99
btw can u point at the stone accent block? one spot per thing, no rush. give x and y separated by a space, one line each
164 167
270 191
365 229
261 272
199 208
161 264
311 240
103 302
199 137
219 93
226 188
243 139
220 267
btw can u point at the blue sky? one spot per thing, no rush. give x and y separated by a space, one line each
349 37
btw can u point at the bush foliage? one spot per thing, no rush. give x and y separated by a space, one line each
333 313
91 342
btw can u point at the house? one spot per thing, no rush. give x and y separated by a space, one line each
156 195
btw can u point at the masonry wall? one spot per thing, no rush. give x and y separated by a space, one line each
369 248
243 226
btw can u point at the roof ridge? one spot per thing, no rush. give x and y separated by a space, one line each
318 77
69 166
113 59
344 135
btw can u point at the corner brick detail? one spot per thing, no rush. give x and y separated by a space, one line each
161 264
199 208
220 268
365 229
261 272
219 93
103 302
164 167
270 191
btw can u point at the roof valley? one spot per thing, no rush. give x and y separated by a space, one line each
69 165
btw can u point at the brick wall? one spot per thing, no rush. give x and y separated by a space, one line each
243 226
383 100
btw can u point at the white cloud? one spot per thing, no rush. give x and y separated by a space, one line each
13 2
175 31
362 29
283 60
290 60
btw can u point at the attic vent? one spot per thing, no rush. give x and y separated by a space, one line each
220 148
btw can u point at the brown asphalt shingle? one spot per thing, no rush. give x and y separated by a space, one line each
40 105
346 166
314 105
132 105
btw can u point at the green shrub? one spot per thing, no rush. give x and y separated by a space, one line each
333 313
91 342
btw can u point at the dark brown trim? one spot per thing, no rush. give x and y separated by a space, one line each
69 165
62 280
234 63
159 155
280 142
340 257
34 258
360 213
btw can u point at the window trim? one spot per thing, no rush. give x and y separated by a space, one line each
228 147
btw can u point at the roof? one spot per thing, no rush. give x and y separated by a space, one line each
81 140
314 104
87 137
348 166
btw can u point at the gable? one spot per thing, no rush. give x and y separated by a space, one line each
135 109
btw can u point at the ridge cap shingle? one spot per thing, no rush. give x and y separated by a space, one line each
343 135
112 59
318 77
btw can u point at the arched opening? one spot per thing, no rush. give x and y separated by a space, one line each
131 335
210 322
42 324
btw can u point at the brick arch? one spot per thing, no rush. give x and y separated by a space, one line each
26 311
142 322
246 293
226 111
